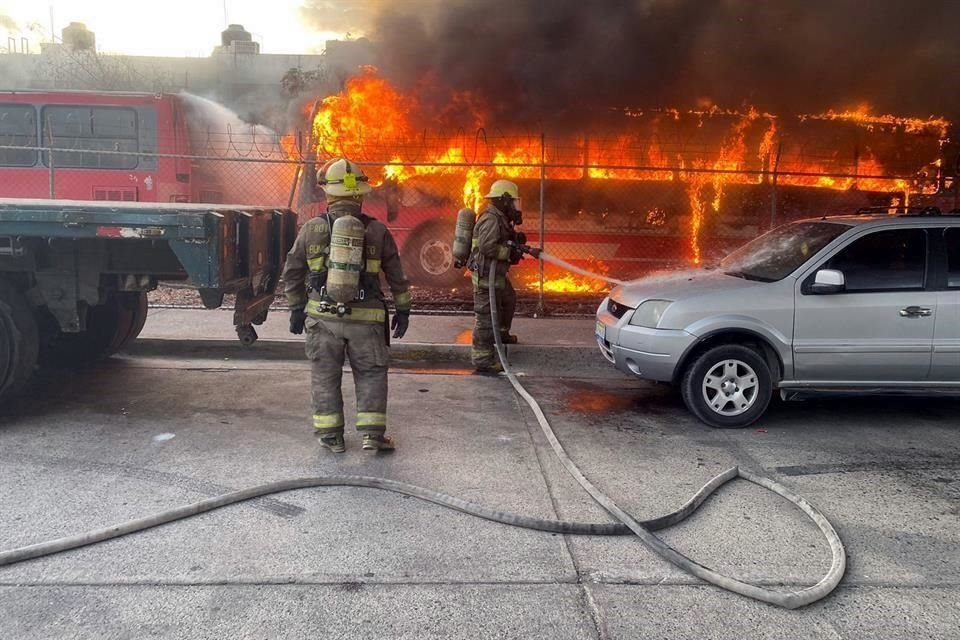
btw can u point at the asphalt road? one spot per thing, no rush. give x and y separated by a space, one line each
138 435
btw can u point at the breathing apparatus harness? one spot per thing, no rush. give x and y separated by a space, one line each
317 280
463 253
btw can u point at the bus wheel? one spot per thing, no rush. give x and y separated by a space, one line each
19 341
428 257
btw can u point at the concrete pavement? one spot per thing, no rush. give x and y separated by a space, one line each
217 324
549 345
136 435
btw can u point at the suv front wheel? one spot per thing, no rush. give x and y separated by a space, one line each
728 386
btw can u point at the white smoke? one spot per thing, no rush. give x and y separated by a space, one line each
243 158
8 24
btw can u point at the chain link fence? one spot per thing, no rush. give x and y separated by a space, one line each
588 202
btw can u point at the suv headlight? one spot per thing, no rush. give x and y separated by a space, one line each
649 313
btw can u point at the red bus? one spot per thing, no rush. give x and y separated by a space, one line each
131 147
81 126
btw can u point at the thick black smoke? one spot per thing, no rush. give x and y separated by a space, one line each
536 60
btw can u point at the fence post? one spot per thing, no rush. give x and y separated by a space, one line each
293 187
52 189
543 221
856 165
773 186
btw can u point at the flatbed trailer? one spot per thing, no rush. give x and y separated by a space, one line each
74 274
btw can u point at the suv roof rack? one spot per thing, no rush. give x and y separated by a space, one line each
900 210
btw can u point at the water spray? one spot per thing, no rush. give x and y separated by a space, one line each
563 264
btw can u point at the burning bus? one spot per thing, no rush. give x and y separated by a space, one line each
640 191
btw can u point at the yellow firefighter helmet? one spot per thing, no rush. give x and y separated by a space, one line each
503 188
342 178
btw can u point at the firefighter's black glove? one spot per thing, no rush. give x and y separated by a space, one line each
400 324
520 237
297 319
516 252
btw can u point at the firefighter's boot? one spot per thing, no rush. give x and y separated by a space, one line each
508 338
377 442
332 441
492 369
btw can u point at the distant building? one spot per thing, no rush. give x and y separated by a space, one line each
236 73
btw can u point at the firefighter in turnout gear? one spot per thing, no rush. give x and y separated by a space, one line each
345 250
495 238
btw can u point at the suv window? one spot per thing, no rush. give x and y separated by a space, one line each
952 237
890 260
79 132
18 128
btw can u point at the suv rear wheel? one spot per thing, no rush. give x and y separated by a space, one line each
728 386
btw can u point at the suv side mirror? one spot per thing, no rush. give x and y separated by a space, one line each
828 281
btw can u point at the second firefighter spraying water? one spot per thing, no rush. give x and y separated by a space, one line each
495 238
332 278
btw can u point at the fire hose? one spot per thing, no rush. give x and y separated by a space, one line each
786 599
627 524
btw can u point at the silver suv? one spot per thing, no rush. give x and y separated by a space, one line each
864 303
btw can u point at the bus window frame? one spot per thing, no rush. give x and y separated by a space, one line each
90 108
36 138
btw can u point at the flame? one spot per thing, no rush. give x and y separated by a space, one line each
862 117
732 158
574 284
557 281
371 120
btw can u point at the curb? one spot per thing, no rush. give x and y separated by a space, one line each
553 360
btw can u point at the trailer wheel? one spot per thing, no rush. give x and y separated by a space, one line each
428 257
19 341
111 326
133 315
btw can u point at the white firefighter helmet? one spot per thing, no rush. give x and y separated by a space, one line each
503 188
343 179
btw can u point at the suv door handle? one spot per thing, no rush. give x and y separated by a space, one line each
916 312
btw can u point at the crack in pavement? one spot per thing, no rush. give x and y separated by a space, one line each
596 614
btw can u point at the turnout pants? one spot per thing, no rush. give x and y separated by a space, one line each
484 349
328 342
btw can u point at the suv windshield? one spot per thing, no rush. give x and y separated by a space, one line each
778 253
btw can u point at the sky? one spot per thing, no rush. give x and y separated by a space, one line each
165 27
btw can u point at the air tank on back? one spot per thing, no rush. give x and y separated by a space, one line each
463 236
346 259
